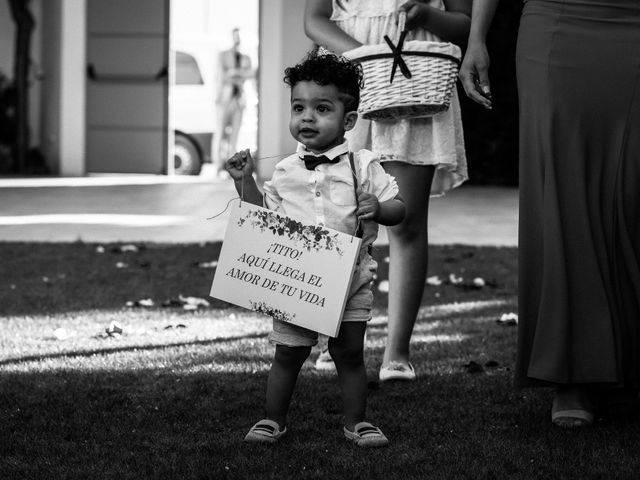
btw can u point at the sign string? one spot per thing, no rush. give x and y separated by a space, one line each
241 197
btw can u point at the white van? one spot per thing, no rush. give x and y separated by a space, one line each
192 107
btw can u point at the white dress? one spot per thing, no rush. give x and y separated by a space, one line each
426 141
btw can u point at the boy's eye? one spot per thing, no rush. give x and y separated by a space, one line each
297 108
323 108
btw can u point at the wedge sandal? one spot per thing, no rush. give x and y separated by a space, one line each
366 435
265 431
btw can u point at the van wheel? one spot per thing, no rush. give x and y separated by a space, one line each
186 156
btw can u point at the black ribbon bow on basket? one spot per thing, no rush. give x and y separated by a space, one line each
398 61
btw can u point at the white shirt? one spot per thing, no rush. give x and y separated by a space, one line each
326 196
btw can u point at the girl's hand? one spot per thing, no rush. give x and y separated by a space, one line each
417 13
240 165
369 207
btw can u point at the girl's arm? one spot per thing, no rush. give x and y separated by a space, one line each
320 29
451 24
474 71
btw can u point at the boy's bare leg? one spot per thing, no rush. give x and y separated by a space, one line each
283 375
347 353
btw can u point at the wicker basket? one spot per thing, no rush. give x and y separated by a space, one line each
389 95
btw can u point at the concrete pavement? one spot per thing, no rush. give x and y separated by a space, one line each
164 209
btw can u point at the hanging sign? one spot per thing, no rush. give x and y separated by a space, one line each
285 268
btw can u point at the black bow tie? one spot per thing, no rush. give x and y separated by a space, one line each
312 161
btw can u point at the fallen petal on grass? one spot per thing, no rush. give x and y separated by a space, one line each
473 367
434 280
193 302
114 328
508 319
383 286
212 264
145 302
62 333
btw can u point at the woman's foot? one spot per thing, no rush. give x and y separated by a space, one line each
572 407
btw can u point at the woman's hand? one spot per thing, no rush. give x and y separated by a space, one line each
474 74
240 165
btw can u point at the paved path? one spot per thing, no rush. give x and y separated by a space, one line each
175 209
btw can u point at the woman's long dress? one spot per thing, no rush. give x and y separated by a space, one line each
578 66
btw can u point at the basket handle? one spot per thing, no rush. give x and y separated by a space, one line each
397 49
402 19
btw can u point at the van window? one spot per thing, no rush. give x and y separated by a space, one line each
187 70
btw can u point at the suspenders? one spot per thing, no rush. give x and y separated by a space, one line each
359 230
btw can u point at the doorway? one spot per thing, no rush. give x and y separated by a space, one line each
213 100
127 86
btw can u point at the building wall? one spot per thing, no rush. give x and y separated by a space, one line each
62 108
282 43
58 54
50 105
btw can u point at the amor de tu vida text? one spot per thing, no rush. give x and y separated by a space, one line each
268 264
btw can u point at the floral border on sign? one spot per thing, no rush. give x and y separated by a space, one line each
263 307
312 237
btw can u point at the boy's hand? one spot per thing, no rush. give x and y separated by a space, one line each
240 165
369 208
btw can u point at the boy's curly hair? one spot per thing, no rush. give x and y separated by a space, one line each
329 69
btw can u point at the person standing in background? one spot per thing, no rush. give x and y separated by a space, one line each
234 68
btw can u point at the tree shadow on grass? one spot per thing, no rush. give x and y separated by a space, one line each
167 423
69 277
124 349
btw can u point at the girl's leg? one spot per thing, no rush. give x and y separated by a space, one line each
347 353
408 253
286 365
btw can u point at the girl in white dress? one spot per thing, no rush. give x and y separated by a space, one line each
426 156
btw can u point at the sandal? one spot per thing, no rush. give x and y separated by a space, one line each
366 435
265 431
325 362
572 408
397 371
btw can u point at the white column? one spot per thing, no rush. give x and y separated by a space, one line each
283 43
72 127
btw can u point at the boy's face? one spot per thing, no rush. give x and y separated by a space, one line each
318 118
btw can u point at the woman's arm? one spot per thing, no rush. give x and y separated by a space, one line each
474 71
320 29
451 24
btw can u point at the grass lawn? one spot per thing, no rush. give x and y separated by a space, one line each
172 396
